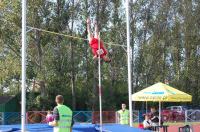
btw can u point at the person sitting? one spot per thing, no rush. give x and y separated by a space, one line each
147 124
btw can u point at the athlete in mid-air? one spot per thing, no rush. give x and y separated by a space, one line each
94 41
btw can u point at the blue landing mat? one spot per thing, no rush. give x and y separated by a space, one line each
76 128
119 128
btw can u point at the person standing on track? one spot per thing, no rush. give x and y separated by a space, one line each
94 42
123 115
63 116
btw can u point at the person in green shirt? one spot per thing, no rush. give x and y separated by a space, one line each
123 115
62 116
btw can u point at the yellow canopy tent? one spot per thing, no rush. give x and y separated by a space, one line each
161 92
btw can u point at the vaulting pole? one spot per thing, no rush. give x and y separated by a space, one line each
129 63
23 89
100 91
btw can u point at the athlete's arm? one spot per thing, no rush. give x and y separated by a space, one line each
53 123
89 30
56 115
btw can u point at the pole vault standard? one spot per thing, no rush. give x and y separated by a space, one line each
23 90
100 91
129 63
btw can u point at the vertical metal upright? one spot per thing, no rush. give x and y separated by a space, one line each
23 90
129 63
100 90
146 107
159 113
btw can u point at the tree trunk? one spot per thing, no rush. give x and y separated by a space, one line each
72 64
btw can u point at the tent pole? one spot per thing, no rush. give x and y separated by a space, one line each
23 90
159 113
146 107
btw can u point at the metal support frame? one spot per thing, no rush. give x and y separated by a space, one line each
129 64
23 89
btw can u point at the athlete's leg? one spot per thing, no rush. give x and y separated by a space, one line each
104 55
90 35
94 52
96 30
106 59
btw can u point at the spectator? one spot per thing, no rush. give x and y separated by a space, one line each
123 115
154 116
49 117
147 124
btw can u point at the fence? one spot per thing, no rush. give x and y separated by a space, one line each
108 117
187 116
1 118
40 117
93 117
136 117
173 117
10 118
192 115
82 116
112 117
36 117
78 117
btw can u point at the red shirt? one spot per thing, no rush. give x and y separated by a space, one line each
94 43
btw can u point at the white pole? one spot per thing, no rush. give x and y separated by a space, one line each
159 113
146 107
186 116
100 101
129 63
23 92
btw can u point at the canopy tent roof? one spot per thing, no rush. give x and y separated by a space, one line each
161 92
